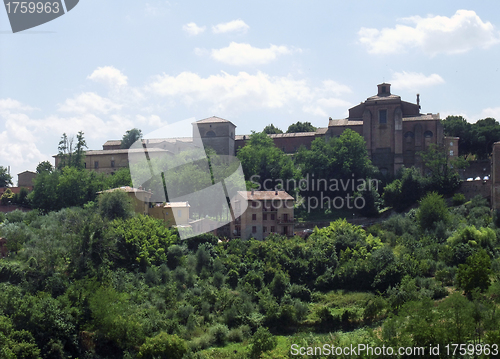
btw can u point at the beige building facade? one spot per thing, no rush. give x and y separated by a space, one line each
267 212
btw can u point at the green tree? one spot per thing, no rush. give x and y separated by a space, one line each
485 133
475 273
7 197
71 154
443 174
115 204
271 129
262 158
130 137
163 346
432 209
5 177
43 167
262 341
301 127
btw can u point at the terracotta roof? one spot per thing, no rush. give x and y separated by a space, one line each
321 130
113 143
428 117
176 204
383 98
127 189
27 172
344 122
293 134
213 119
264 195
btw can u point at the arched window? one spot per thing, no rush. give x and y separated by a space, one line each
384 171
428 134
409 136
210 134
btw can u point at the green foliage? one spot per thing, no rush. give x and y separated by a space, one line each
5 177
458 199
262 158
407 190
142 240
7 197
301 127
262 341
432 209
71 154
16 343
164 346
115 204
475 273
271 129
130 137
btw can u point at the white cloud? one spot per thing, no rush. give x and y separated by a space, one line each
414 80
110 76
231 26
493 112
247 92
89 102
193 29
245 54
434 34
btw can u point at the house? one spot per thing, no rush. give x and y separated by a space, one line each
267 212
173 213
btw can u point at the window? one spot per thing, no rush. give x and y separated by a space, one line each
179 213
383 89
409 136
112 164
254 204
382 117
451 152
254 217
451 143
272 229
428 134
264 229
264 217
96 164
85 164
254 229
272 217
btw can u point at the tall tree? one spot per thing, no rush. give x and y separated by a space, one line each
65 149
271 129
457 126
5 177
130 137
79 155
301 127
43 167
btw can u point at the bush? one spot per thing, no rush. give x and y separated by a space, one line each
261 342
432 209
164 346
220 333
115 204
458 199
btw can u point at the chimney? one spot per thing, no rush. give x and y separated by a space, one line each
418 101
276 193
253 191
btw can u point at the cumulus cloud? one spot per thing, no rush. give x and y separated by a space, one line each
89 102
246 91
193 29
245 54
460 33
414 80
231 26
109 76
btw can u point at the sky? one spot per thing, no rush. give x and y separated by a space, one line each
106 67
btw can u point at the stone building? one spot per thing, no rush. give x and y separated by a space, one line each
267 212
394 130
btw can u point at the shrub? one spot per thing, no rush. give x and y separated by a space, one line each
220 333
261 342
432 209
115 204
458 199
164 346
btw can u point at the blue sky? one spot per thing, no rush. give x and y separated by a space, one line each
109 66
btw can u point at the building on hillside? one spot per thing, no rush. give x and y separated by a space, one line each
25 179
267 212
140 198
394 130
172 213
